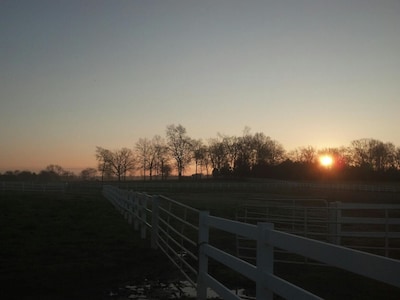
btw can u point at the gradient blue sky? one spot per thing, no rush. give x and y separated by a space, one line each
76 74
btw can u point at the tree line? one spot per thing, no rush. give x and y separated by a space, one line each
248 155
51 173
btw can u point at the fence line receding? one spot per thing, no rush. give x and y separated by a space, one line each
183 234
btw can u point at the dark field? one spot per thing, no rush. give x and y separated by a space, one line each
69 246
77 246
326 282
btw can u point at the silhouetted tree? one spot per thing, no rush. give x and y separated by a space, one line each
118 162
26 176
259 155
307 155
231 146
47 176
372 154
397 159
266 150
160 158
122 161
143 153
59 173
55 169
180 146
18 176
88 174
383 155
199 155
217 155
104 158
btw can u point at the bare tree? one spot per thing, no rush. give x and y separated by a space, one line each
180 146
308 154
206 159
266 150
217 154
396 160
104 158
360 150
60 172
151 155
56 169
143 151
247 155
383 155
51 173
88 174
373 154
232 147
122 162
198 153
118 162
160 158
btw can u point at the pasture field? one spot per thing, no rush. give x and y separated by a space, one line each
327 282
75 245
69 246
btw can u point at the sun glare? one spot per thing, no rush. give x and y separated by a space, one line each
326 160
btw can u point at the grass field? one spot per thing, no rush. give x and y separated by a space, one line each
326 282
69 246
77 246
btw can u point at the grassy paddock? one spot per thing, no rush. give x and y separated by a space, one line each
69 246
326 282
77 246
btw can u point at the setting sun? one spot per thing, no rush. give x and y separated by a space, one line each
326 160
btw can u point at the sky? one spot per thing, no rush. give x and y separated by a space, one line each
79 74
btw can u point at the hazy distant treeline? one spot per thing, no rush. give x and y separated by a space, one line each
249 155
49 174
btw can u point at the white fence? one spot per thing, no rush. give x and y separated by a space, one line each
261 185
173 225
373 228
32 187
174 230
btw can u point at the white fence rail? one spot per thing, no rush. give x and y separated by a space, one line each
373 228
257 186
369 227
169 226
173 225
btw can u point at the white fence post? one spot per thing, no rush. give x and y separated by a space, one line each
386 232
125 199
136 211
130 207
143 215
203 259
154 221
335 214
265 261
338 223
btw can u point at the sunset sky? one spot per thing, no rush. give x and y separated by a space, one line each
79 74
